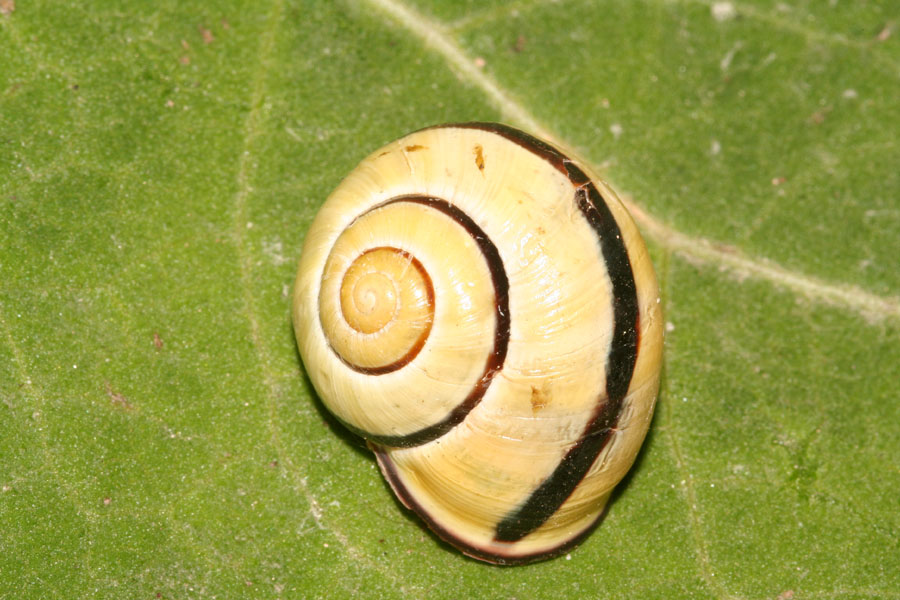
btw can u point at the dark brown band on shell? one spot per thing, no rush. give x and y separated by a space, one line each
497 356
546 499
423 337
491 555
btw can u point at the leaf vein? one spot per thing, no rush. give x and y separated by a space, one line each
50 460
253 128
701 550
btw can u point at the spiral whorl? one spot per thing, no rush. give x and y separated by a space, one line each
411 299
387 300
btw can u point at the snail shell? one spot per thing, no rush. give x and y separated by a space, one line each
486 315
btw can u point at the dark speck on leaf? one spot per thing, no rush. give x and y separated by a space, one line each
116 398
520 44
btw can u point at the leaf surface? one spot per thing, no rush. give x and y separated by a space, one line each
161 162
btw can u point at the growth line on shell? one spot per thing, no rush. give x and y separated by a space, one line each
436 37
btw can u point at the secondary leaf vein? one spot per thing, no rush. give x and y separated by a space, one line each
253 128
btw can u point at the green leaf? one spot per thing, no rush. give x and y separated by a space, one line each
160 163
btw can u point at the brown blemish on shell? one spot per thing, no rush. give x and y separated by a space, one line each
479 157
415 147
539 399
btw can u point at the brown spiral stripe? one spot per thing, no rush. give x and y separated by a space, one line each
390 473
494 362
547 498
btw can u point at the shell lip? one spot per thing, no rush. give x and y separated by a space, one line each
491 556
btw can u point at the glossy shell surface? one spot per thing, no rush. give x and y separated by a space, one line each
484 312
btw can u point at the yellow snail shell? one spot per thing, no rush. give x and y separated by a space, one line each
486 315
